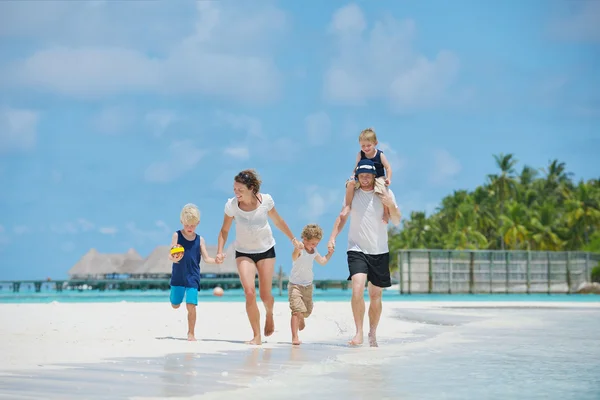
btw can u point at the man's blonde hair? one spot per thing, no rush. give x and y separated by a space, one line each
312 231
368 135
190 215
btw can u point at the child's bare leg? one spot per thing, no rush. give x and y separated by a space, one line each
386 214
295 323
191 309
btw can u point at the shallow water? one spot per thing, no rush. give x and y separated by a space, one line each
237 295
458 353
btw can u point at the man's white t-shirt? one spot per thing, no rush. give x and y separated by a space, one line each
367 232
252 230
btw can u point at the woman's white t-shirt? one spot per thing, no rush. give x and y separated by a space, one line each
252 230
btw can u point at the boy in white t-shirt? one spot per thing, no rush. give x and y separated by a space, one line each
300 285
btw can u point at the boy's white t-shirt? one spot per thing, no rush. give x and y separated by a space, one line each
367 232
302 269
252 230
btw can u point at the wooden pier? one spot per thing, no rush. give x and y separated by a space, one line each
149 284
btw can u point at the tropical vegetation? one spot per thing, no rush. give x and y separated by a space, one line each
528 209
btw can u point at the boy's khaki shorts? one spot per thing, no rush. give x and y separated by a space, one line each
380 187
300 298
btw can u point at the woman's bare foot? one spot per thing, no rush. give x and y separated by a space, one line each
269 324
296 341
191 337
356 340
256 341
372 340
301 323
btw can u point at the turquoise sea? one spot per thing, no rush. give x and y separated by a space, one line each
94 296
458 352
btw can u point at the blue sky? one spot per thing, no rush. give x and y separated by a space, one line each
113 115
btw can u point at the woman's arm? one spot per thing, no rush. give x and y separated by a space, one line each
283 227
222 239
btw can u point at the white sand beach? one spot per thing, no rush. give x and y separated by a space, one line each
61 345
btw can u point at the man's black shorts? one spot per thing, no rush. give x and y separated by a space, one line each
376 266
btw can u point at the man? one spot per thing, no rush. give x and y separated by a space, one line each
368 252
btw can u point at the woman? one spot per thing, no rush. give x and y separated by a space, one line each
254 245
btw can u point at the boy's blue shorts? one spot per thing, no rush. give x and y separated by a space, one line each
178 292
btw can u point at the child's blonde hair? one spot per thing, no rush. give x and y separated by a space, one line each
312 231
190 215
368 135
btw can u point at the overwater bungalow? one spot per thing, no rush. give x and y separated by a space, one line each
131 266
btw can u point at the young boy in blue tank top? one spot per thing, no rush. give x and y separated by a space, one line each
383 177
301 277
185 275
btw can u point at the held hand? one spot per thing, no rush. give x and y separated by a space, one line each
220 258
297 244
331 245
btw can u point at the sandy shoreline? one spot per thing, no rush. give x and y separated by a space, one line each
50 334
109 350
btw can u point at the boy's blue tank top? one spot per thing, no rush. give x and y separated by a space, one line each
187 271
376 160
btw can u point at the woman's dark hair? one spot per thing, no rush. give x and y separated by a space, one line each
250 178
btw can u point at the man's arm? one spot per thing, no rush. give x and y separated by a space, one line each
338 226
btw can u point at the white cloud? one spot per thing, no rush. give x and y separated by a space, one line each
160 120
224 181
320 200
159 234
221 57
80 225
108 230
318 128
381 63
18 129
114 120
582 24
275 148
251 126
396 161
239 152
21 230
182 157
445 167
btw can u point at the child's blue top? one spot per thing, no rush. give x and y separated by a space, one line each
187 271
376 160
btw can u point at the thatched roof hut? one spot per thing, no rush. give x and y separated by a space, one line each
97 265
158 263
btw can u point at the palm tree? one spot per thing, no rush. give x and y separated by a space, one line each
524 211
504 184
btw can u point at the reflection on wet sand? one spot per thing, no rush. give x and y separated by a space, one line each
174 375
